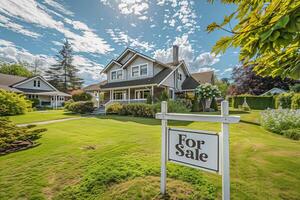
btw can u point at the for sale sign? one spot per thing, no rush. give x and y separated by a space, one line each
198 149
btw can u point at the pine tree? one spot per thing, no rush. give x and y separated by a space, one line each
64 75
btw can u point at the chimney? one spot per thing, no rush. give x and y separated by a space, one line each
175 54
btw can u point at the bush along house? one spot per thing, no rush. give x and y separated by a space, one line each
133 77
35 88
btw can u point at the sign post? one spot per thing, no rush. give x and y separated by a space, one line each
203 150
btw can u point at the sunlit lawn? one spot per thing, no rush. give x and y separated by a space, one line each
119 158
45 115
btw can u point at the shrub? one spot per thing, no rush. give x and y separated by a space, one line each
80 95
13 104
295 88
149 99
284 100
138 110
164 96
114 108
68 103
81 107
187 102
13 138
254 102
195 105
173 107
207 91
295 101
292 133
214 104
280 120
35 102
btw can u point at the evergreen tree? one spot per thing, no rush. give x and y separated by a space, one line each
64 74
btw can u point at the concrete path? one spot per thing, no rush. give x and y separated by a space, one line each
50 121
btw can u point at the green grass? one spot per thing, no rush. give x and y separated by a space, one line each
37 116
117 157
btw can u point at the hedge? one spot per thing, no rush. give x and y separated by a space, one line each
81 107
295 101
13 104
254 102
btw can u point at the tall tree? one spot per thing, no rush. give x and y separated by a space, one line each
64 73
246 81
267 33
15 69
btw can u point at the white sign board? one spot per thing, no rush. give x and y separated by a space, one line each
198 149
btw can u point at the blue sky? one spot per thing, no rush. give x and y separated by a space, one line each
33 32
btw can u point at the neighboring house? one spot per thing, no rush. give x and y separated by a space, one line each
133 76
273 91
34 88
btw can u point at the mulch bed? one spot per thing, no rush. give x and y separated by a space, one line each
18 146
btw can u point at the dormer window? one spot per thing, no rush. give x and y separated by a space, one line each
117 74
180 76
135 71
144 70
139 70
36 83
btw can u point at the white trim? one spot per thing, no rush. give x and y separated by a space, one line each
137 86
135 55
27 80
109 64
124 52
116 70
170 74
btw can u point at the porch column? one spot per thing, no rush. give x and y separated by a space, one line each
129 95
56 102
152 93
98 94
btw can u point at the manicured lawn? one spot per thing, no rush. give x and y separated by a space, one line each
119 158
37 116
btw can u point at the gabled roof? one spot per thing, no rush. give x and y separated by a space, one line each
146 81
9 80
189 84
29 79
94 87
204 77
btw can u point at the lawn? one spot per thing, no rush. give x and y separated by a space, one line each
37 116
114 157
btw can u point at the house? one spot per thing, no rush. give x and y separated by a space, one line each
133 76
273 91
34 88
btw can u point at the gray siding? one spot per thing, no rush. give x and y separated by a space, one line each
30 85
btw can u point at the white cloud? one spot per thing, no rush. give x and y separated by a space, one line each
31 12
187 53
7 23
122 38
228 69
183 14
57 6
207 69
9 52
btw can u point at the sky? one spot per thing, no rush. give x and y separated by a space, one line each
99 30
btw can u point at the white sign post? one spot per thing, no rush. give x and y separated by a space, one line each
204 150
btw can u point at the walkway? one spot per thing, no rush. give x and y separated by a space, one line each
50 121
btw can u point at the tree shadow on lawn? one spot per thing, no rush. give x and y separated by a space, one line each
142 120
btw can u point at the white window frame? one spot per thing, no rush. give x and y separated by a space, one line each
141 90
139 70
111 77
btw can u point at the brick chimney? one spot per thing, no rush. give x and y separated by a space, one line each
175 55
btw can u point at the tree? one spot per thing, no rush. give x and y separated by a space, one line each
246 81
15 69
206 91
64 74
222 85
267 33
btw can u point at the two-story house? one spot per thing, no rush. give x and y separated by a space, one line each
34 88
133 76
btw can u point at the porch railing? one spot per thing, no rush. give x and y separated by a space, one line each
125 101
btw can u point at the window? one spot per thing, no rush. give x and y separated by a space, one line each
140 70
38 83
118 95
117 74
34 83
143 70
179 76
142 94
135 71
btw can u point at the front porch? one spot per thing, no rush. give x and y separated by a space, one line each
135 94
